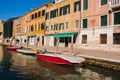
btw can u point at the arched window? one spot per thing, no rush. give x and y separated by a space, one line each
32 27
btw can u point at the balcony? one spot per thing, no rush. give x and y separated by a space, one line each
114 3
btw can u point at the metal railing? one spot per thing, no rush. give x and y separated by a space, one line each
114 3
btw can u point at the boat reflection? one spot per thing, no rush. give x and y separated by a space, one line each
56 68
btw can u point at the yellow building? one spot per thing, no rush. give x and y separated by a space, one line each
1 31
63 22
30 27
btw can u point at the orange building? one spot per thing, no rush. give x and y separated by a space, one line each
63 22
30 27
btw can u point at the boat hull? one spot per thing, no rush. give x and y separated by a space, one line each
52 59
27 52
13 48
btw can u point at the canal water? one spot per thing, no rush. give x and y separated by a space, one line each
16 66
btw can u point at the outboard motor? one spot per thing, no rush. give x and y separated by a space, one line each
44 51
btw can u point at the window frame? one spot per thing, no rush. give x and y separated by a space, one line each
83 23
114 17
87 5
86 40
101 20
103 37
103 4
77 23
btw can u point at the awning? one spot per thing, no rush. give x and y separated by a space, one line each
64 35
32 36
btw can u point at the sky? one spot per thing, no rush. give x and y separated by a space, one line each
16 8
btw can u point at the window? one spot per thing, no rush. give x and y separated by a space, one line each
103 38
32 16
47 29
67 25
77 23
56 27
104 2
65 10
43 25
85 4
39 13
85 23
116 38
117 18
77 6
47 16
54 13
61 27
18 30
35 15
35 27
104 20
39 26
84 39
43 12
52 27
32 28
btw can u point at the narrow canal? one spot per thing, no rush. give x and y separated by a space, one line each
16 66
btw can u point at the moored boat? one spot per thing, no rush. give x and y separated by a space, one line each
60 58
27 51
13 48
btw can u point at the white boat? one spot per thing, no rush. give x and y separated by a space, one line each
60 58
27 51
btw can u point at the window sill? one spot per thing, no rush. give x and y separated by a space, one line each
103 44
117 45
84 44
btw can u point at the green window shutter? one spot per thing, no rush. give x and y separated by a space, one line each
85 4
75 9
116 18
85 23
104 20
60 11
104 2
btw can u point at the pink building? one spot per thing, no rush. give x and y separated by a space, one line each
100 24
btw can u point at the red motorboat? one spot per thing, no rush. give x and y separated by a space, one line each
53 59
13 48
60 58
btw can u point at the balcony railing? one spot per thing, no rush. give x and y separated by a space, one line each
114 3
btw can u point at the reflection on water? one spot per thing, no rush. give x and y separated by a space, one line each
16 66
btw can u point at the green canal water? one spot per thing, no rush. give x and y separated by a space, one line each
16 66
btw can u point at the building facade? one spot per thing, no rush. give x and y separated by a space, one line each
8 29
1 31
85 23
30 28
63 22
100 25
